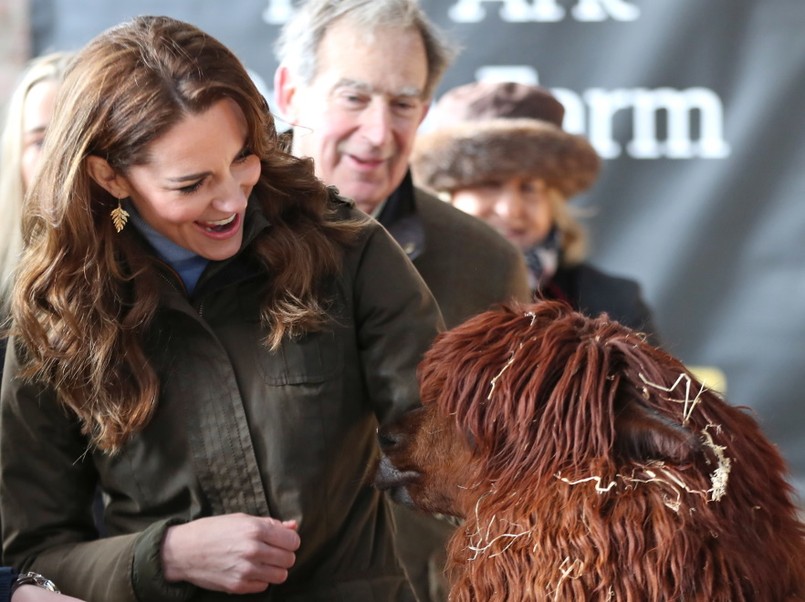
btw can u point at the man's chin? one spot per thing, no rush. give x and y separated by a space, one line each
367 197
367 205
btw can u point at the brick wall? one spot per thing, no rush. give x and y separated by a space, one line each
15 45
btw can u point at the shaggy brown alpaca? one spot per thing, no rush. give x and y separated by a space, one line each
589 465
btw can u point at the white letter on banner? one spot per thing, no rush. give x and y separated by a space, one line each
679 105
277 12
522 74
603 106
512 11
548 11
597 10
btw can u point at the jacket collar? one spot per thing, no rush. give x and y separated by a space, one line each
399 216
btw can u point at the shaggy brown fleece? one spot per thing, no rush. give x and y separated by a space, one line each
589 465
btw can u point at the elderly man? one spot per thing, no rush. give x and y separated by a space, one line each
355 80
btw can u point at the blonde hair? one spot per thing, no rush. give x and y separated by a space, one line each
574 235
86 296
49 67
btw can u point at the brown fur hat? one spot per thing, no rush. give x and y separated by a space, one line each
487 130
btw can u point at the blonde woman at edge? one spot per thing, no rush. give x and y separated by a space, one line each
30 109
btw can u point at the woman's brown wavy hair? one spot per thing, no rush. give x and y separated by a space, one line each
85 295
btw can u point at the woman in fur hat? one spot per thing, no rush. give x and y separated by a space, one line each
498 151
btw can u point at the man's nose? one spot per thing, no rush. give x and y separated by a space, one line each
376 122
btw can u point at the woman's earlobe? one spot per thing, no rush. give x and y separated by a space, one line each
106 177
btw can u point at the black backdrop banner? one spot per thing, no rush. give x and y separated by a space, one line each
697 108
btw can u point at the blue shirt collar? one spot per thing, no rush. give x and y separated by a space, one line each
187 264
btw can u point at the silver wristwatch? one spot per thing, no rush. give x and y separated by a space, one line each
34 579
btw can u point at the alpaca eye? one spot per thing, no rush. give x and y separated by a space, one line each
643 434
472 441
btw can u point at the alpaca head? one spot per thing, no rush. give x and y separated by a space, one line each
530 395
573 448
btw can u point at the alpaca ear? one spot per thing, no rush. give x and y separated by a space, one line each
641 434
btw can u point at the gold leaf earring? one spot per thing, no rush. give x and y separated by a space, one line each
119 216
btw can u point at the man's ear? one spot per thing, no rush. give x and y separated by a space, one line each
106 177
428 105
285 89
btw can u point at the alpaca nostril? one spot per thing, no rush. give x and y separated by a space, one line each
388 440
394 435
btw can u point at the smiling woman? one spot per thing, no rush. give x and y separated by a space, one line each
204 332
196 184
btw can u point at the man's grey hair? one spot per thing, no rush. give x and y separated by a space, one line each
298 43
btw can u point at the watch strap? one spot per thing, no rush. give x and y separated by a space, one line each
7 578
